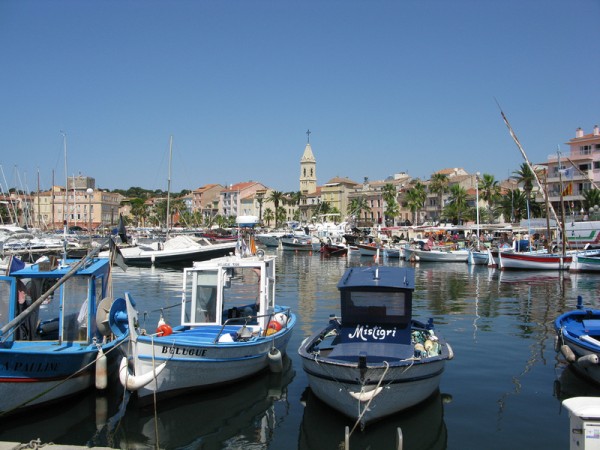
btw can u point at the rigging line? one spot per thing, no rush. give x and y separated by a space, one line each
581 172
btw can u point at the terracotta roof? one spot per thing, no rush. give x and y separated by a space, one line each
341 180
240 186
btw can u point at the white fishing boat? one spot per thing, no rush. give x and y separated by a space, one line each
440 255
230 328
538 260
374 360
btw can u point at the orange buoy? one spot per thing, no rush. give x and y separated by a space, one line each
164 330
274 325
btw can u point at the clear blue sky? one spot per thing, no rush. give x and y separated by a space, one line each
384 87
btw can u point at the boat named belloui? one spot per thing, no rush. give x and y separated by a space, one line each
230 329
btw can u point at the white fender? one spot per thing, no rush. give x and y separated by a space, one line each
365 396
133 382
450 352
101 374
588 360
275 360
567 353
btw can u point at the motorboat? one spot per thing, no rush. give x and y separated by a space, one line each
62 331
176 250
445 255
230 328
578 340
300 242
334 249
375 360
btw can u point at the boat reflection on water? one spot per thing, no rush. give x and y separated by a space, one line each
570 384
243 413
532 277
422 427
56 423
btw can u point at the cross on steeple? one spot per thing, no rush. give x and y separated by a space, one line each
308 136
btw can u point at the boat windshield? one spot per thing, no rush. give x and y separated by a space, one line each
203 305
369 307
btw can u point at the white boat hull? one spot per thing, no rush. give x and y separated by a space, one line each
191 364
441 255
585 264
529 261
403 386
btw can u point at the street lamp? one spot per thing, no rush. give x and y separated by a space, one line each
89 192
593 211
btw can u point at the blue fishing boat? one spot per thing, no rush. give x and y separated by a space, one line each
578 339
61 330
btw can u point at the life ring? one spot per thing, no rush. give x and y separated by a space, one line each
164 330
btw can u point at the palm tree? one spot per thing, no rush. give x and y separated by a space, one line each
358 205
439 185
591 200
268 215
276 197
513 205
415 199
389 195
139 210
280 215
457 203
489 191
526 177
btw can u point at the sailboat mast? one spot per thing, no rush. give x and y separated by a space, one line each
66 212
169 185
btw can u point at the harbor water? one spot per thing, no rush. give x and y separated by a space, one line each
503 389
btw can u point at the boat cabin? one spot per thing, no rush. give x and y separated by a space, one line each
376 305
66 315
229 290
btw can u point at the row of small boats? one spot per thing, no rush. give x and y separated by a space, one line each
63 331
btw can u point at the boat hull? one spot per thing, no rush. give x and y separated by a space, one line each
533 261
368 250
194 361
441 256
297 246
585 264
478 257
402 385
147 258
36 373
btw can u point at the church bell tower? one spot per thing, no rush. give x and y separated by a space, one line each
308 169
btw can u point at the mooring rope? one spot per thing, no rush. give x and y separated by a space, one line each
366 408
